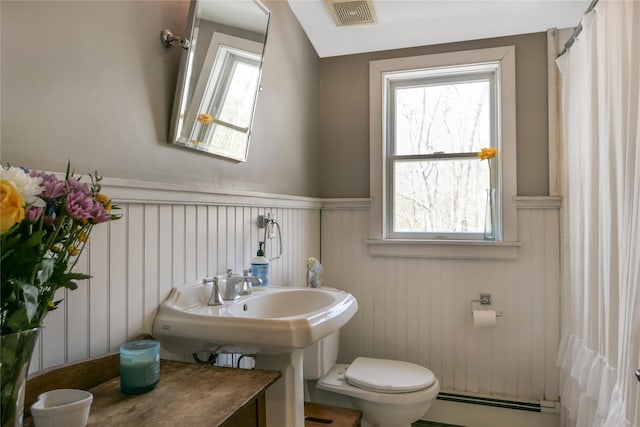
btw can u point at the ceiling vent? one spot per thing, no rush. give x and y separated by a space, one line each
350 12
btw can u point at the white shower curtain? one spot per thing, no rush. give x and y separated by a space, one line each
600 348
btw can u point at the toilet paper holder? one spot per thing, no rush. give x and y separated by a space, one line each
485 299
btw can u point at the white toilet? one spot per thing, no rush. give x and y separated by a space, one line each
390 393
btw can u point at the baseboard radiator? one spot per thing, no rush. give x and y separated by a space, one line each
489 401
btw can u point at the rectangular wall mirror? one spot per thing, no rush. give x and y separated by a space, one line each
219 77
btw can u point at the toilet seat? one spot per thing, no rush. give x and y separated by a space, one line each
335 381
388 376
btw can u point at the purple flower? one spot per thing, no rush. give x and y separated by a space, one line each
79 205
99 213
53 187
75 185
33 213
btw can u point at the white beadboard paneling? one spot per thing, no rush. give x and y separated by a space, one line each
98 252
54 334
150 272
179 244
212 242
118 293
551 297
237 238
165 255
221 241
135 269
77 312
201 253
159 244
418 309
190 243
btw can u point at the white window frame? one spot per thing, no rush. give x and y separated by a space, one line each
380 242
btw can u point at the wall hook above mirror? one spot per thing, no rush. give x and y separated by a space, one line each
167 38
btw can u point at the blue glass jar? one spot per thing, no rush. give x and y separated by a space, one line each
139 366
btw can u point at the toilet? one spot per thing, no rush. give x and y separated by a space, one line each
390 393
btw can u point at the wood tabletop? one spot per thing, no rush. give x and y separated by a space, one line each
187 394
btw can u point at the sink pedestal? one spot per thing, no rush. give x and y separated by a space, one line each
285 398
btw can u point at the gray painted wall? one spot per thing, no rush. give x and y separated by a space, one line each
90 82
344 114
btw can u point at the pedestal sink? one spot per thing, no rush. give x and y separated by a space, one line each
274 324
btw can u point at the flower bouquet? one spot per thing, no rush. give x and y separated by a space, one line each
45 224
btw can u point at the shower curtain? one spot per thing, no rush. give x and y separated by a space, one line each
600 348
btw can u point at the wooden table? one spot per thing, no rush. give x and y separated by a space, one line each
187 394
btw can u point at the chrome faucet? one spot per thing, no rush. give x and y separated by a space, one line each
231 289
214 299
247 280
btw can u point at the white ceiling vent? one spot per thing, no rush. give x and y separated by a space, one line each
350 12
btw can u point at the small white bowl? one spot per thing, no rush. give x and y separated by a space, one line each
62 408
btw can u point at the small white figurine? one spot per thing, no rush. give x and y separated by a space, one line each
314 273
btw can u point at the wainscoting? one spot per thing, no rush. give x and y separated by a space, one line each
411 309
418 309
167 236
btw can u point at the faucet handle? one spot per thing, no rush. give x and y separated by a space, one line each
208 279
215 298
246 288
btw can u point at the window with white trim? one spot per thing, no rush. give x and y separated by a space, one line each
430 117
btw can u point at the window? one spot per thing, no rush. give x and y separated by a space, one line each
437 123
430 116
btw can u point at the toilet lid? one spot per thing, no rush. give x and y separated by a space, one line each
388 376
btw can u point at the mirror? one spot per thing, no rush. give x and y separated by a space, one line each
219 77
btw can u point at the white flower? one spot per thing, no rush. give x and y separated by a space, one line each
28 186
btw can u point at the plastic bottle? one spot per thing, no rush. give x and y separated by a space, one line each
260 267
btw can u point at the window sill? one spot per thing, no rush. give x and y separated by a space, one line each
444 249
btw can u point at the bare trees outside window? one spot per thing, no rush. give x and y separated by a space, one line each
437 122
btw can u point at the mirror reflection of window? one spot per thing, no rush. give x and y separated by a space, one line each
231 106
240 75
225 93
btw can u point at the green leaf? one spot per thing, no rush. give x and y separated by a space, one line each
17 321
77 276
69 285
46 270
30 294
34 239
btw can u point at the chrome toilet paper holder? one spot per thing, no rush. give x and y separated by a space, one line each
485 299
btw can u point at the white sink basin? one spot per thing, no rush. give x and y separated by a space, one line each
287 303
272 321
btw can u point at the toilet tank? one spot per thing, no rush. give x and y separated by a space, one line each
320 357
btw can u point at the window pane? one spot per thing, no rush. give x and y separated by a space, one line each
227 141
440 196
451 117
242 87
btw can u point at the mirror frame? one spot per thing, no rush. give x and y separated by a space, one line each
182 97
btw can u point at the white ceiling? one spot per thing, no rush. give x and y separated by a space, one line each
408 23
